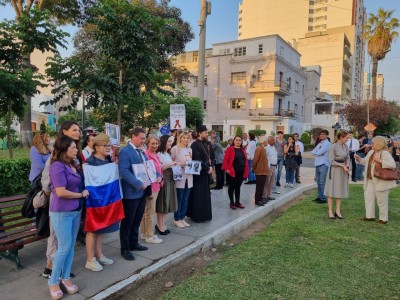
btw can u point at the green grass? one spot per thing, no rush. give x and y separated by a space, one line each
305 255
18 153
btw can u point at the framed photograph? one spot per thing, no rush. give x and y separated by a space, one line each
151 171
113 131
193 167
140 172
177 172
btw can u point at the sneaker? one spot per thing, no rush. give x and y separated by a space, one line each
105 260
142 236
276 192
46 273
291 185
94 265
286 185
153 240
185 223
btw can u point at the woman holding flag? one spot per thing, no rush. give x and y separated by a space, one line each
104 208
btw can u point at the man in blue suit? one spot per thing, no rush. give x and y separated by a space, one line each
134 193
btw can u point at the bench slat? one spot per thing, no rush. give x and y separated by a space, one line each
13 219
21 243
19 224
11 204
10 212
15 231
12 198
18 236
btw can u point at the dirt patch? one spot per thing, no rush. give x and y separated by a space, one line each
154 287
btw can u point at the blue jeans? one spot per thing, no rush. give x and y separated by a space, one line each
290 175
66 226
252 176
279 166
320 175
183 198
360 168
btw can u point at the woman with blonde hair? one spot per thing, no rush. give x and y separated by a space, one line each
39 153
181 153
375 187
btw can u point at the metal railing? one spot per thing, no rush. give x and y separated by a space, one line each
271 112
267 84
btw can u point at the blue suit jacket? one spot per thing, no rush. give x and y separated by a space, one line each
131 186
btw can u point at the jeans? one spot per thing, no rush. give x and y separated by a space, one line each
360 168
252 176
66 226
290 175
279 166
183 198
320 175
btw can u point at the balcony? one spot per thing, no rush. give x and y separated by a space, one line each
270 86
270 114
346 75
346 62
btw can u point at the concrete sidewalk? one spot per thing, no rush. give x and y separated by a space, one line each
180 243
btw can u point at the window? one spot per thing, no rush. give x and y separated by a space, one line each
195 81
322 18
288 105
195 56
310 11
238 77
281 51
302 90
259 102
233 129
205 80
310 20
240 26
240 51
258 127
322 9
260 48
289 81
238 103
302 110
225 51
183 58
280 128
295 108
259 75
205 104
311 2
310 28
240 19
320 27
296 87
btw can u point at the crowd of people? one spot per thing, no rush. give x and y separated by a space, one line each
145 204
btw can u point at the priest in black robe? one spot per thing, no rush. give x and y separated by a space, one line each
199 208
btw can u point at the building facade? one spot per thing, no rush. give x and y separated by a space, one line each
380 85
304 24
257 83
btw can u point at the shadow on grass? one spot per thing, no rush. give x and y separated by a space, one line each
306 255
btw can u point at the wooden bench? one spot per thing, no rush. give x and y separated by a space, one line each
15 230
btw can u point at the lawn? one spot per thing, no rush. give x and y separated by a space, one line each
18 153
305 255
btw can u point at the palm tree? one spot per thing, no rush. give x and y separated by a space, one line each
379 33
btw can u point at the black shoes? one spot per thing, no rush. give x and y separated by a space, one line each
161 232
47 273
339 217
278 184
138 248
270 198
264 200
298 181
127 255
259 203
317 200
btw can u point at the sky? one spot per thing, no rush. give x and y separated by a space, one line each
222 26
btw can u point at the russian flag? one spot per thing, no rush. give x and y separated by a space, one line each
104 204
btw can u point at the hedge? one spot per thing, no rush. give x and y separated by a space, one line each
14 177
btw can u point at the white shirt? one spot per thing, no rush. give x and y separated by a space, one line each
355 145
165 158
301 146
251 149
272 155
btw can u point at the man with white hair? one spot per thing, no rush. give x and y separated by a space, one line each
272 156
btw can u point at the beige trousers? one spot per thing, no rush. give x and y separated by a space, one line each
146 226
270 182
382 199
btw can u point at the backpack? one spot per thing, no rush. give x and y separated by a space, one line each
27 209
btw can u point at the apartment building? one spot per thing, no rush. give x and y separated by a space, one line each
255 83
300 22
380 84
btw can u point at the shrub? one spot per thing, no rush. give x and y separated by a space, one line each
239 131
224 144
286 135
258 132
305 138
14 177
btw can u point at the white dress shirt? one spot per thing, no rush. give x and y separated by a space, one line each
353 145
301 146
272 155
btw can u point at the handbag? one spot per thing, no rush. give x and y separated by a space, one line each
384 173
40 200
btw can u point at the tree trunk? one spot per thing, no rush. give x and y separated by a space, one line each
119 110
26 124
9 140
374 74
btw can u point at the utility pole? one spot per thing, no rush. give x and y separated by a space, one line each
205 10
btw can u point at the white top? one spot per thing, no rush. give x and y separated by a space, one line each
165 158
272 155
251 149
87 152
355 145
301 146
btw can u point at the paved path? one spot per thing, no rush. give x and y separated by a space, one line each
28 283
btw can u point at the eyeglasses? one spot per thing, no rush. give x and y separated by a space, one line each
106 145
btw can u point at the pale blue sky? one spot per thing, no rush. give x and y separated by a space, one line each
222 26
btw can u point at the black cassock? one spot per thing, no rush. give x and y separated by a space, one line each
199 206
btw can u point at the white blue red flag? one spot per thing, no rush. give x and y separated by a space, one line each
104 204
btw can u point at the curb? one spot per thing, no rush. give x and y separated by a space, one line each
204 243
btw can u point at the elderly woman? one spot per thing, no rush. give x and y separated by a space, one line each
65 212
94 239
375 187
337 182
39 154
